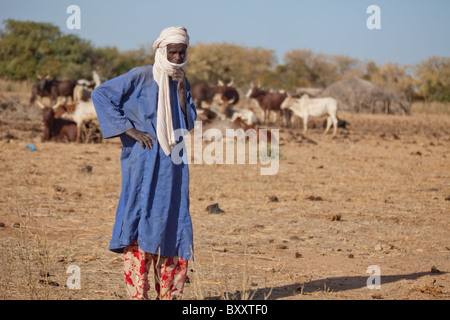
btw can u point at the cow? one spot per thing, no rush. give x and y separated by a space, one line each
306 107
229 94
64 88
267 101
79 112
246 115
83 88
207 114
202 92
56 129
228 97
42 89
53 89
82 91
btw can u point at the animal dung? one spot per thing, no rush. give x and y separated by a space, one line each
60 189
336 217
273 199
314 198
214 208
86 168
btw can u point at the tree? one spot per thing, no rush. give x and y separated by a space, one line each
25 48
319 70
347 67
29 48
226 62
434 78
371 69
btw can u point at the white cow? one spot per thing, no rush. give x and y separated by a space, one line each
248 116
317 107
79 112
84 111
83 89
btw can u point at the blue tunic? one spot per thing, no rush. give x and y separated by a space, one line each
154 202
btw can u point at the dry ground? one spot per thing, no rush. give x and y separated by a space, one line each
377 194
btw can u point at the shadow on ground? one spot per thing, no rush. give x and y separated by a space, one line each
334 284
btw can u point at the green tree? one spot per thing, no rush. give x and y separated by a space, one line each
434 78
226 62
71 57
25 48
309 69
316 70
30 48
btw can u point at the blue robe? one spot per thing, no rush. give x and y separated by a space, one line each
153 207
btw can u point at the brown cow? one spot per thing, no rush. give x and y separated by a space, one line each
53 89
57 129
268 101
42 89
229 97
202 92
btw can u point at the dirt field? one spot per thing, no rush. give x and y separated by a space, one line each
378 194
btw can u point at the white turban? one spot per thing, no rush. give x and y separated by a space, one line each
162 69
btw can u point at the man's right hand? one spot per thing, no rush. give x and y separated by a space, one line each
143 138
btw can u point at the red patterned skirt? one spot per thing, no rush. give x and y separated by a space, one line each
169 274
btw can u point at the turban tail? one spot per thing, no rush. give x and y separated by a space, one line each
162 69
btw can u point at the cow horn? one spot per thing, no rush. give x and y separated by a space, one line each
40 104
56 105
220 83
38 75
231 83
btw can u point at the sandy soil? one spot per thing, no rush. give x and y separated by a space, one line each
377 194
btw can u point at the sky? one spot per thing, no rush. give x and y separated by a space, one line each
411 30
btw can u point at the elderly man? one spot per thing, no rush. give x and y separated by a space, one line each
153 225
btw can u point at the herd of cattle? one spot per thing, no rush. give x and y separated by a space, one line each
216 106
63 121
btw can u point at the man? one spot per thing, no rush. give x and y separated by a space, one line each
153 224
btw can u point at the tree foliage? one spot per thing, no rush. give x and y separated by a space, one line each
26 48
308 69
228 62
29 48
433 76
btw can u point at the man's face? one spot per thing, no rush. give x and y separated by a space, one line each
176 52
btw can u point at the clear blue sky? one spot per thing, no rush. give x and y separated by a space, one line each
411 30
